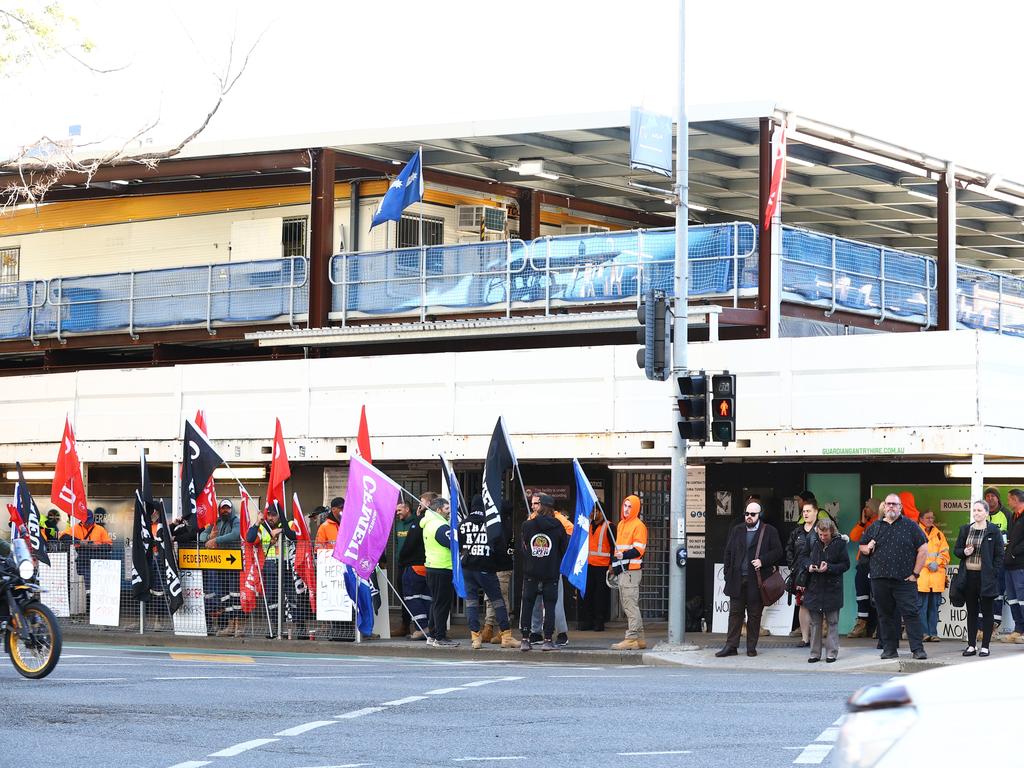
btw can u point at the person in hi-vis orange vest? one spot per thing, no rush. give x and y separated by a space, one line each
594 606
630 545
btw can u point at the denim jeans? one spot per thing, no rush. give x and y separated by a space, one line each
928 604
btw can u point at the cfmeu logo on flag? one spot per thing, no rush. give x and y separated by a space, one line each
406 189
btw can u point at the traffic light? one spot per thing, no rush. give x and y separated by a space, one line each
652 314
693 407
723 408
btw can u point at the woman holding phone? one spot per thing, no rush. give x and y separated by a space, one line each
980 549
828 560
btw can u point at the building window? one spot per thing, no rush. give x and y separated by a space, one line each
10 259
293 237
409 231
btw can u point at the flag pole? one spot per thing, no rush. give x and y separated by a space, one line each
259 570
398 594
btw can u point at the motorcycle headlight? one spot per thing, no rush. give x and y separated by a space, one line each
865 737
26 570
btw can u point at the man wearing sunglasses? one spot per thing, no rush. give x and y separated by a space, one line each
742 562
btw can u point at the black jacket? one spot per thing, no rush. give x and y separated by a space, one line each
504 557
991 557
412 552
736 552
1014 557
825 590
798 547
474 550
542 546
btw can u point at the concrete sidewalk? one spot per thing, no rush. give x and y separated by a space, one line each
774 653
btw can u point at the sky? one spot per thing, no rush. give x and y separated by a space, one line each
934 76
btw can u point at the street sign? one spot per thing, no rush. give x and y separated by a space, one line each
210 559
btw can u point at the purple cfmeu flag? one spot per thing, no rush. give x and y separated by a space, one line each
369 512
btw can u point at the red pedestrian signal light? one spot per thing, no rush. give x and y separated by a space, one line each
723 408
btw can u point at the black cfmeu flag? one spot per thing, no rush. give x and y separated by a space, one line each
30 516
142 537
198 461
500 459
170 563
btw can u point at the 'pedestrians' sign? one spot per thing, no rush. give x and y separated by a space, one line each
211 559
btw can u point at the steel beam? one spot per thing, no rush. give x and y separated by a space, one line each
764 241
945 191
321 245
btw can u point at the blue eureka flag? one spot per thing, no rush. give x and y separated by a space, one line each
453 523
406 189
574 563
361 594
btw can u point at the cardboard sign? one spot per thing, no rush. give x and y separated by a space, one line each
105 592
190 619
332 601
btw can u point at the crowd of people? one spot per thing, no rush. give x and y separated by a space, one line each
900 574
423 572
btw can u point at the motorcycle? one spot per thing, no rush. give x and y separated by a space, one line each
31 633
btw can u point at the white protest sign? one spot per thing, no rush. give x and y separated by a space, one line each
777 619
105 592
190 619
53 578
332 601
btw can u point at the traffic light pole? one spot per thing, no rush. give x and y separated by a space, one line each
677 521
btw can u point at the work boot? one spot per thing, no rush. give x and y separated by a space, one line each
507 641
229 628
239 627
475 640
629 644
496 638
1013 637
860 629
486 633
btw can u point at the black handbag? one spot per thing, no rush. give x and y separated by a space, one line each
957 595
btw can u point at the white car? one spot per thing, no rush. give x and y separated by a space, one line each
931 718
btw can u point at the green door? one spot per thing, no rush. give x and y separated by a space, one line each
840 495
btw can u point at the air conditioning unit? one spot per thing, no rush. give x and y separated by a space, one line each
583 229
481 218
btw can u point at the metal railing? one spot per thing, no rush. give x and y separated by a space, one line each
19 305
226 293
990 301
549 272
849 275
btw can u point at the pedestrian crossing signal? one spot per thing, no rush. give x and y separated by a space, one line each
692 403
723 408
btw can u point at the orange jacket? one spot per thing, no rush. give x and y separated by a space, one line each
96 534
326 534
565 521
631 535
858 531
938 552
600 545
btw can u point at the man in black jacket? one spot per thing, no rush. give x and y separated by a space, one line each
1014 565
753 547
542 544
478 571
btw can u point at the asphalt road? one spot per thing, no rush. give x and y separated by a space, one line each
164 708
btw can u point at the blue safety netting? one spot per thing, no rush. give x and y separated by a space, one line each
17 303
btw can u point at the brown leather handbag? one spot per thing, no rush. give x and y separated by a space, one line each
772 588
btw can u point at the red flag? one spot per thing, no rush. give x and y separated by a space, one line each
778 174
68 490
206 502
15 517
304 567
363 440
279 470
250 585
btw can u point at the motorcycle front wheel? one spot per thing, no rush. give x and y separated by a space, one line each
36 657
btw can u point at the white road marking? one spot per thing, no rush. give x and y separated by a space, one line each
342 677
474 759
192 764
813 754
406 700
238 749
592 677
359 713
829 734
839 720
439 691
346 765
478 683
305 727
662 752
211 677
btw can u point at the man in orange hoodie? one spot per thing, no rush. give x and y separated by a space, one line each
630 545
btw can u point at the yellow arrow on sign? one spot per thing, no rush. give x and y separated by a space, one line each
211 559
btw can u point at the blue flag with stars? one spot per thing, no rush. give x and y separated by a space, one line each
406 189
574 563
